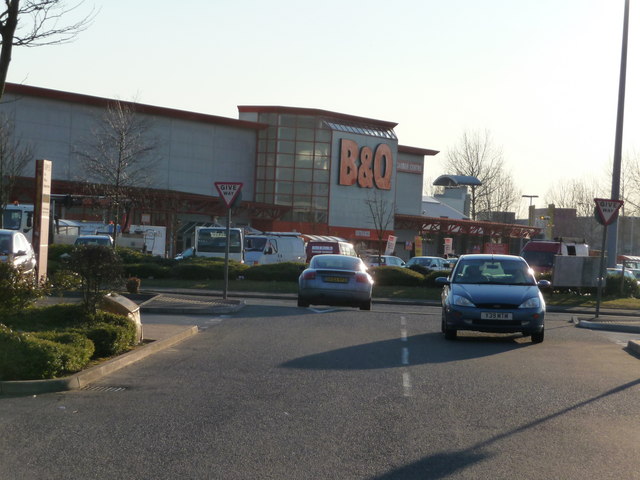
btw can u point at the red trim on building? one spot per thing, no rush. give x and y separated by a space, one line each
29 91
417 150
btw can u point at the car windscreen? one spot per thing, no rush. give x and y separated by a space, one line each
256 244
337 263
215 241
503 272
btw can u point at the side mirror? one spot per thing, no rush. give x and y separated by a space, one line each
442 281
544 284
20 253
268 251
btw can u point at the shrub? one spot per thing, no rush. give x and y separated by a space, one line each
56 250
629 288
110 339
396 276
133 285
147 270
430 278
279 272
17 290
41 355
99 267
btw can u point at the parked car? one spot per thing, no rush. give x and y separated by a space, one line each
188 252
383 261
335 280
492 293
105 240
431 263
630 274
16 250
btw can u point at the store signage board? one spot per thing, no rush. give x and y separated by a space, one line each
228 191
607 209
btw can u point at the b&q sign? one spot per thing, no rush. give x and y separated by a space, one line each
365 166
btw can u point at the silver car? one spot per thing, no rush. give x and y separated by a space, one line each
16 250
335 280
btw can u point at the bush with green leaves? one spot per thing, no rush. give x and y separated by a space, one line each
430 277
276 272
396 276
147 270
99 268
36 356
17 290
111 334
629 286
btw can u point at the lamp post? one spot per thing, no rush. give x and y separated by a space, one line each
530 197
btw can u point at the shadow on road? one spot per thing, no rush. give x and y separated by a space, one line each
426 348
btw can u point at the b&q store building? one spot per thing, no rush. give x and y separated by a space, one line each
306 170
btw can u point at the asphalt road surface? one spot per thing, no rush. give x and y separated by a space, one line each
281 392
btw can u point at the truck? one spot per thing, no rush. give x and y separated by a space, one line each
212 242
274 247
20 218
541 254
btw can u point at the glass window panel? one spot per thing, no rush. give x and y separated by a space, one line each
283 199
301 201
320 217
271 132
268 188
284 187
268 198
323 135
285 174
304 161
286 147
321 163
260 173
306 122
305 134
288 120
267 118
320 189
262 145
261 159
285 133
260 187
302 188
270 160
271 145
304 148
285 160
320 203
268 173
321 176
322 149
304 175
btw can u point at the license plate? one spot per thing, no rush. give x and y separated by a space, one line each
336 279
496 316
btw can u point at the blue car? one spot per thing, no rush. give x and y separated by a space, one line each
492 293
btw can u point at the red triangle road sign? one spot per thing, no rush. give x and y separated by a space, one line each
607 209
228 191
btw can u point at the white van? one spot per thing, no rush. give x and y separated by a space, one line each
273 248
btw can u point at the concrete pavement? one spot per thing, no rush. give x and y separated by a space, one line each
158 337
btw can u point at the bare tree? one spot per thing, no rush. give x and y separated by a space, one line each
34 23
14 157
575 193
118 157
475 155
382 213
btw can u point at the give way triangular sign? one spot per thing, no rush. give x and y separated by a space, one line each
607 209
228 191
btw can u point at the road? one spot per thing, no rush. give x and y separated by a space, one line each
280 392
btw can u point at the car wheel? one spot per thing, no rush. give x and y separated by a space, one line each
537 337
302 302
366 305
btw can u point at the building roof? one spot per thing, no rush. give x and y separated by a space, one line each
29 91
456 180
433 208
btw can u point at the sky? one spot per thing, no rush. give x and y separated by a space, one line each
540 76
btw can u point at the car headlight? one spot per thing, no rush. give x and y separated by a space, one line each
533 302
461 301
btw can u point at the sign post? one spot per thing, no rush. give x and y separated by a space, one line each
40 240
228 191
606 212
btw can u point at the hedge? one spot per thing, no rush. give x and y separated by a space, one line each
396 276
279 272
36 356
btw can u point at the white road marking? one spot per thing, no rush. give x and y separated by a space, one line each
406 384
405 356
403 321
403 334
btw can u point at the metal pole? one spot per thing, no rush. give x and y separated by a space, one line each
226 255
601 277
612 246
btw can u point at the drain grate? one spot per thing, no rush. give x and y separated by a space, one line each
103 388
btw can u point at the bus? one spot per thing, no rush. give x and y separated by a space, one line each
212 242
